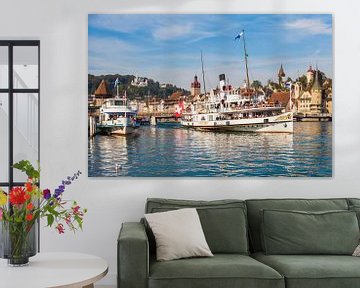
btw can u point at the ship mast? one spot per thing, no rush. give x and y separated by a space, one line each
125 100
202 69
242 34
246 63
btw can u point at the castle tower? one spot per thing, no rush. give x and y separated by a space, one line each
102 91
316 94
310 76
281 75
195 87
297 90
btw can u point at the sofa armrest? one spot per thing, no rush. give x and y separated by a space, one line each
133 256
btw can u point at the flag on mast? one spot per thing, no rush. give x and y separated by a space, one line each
239 35
179 109
117 82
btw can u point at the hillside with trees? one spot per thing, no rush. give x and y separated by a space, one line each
152 89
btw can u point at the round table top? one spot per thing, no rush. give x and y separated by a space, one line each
58 269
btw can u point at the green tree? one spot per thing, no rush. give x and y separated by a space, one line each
256 84
303 80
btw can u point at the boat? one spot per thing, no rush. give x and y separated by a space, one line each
168 122
116 117
242 109
238 110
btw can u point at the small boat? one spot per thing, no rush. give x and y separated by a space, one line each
116 117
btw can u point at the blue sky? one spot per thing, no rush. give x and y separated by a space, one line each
166 47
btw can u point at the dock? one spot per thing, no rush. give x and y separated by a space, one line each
323 117
159 117
92 126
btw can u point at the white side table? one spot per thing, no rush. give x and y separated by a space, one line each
50 270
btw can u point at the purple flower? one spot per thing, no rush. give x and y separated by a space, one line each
46 194
64 183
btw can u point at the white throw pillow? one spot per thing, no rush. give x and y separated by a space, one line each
357 251
178 234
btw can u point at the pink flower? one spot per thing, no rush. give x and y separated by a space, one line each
68 219
76 210
1 213
60 228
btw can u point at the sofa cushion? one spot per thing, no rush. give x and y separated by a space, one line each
353 201
313 271
356 209
297 232
222 270
178 234
254 216
223 221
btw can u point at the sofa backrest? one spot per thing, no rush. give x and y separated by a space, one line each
256 205
223 221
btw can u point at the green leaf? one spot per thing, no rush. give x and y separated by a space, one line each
26 167
50 219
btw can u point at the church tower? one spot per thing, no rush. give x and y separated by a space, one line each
316 94
195 87
281 75
310 76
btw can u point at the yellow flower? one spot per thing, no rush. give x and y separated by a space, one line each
3 198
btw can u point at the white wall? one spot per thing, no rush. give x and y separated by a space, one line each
62 28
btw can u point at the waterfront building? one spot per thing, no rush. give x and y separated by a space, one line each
328 103
195 87
165 85
139 82
327 86
315 96
281 99
303 102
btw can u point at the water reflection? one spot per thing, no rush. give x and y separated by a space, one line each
161 151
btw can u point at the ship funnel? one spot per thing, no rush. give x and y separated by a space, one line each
222 82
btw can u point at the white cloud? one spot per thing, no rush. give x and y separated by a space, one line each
172 31
123 23
309 26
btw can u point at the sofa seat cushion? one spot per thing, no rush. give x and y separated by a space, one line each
222 270
313 271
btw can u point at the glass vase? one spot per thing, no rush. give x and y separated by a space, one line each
18 242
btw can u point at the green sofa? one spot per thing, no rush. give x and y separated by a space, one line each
234 230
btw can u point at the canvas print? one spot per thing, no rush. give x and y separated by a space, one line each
210 95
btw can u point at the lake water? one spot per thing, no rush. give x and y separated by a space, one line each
175 151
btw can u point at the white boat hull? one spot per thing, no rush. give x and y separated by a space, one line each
121 126
275 124
124 131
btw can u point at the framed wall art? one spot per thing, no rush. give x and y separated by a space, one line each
210 95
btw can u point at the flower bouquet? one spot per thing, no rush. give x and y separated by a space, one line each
21 208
